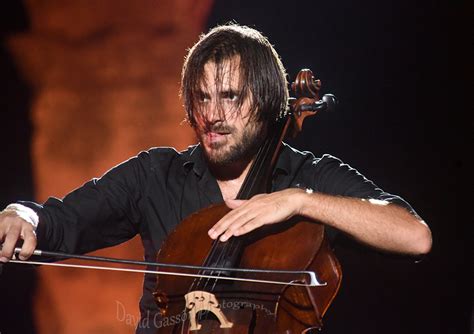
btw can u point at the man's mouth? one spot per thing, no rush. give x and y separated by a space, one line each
216 136
219 132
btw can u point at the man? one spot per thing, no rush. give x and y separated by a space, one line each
234 87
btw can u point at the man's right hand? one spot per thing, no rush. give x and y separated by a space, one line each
16 224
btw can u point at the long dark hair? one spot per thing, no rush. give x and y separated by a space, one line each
262 75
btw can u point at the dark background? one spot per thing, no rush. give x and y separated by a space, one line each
398 69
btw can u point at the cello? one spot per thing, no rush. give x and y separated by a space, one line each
219 302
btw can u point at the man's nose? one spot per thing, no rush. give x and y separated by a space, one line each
213 114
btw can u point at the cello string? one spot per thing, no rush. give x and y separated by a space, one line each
232 245
214 250
197 281
224 249
250 177
227 248
208 260
223 254
231 249
202 315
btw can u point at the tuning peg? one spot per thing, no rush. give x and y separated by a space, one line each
331 102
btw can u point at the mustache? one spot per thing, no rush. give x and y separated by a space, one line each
219 128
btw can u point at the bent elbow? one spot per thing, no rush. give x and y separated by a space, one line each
424 240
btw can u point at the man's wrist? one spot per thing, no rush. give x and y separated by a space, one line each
303 200
24 212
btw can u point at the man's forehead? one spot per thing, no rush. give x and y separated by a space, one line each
225 74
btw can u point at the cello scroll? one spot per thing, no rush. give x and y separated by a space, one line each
306 102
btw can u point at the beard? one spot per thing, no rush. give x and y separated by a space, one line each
244 147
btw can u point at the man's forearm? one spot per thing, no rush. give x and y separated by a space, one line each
376 223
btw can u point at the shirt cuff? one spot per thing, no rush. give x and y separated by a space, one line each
25 213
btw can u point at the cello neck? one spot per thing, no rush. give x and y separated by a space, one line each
258 179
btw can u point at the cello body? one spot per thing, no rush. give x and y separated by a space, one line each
251 307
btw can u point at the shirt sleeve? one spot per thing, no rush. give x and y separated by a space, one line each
337 178
103 212
334 177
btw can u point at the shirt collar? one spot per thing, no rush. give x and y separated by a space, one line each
196 160
206 182
283 164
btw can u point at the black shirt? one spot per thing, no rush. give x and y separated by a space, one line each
152 192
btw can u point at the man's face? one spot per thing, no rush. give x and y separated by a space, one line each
226 132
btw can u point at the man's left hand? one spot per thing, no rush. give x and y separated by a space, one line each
247 215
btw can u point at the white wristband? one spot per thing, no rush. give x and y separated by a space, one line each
25 213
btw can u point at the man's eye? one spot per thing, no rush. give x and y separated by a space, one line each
232 96
203 98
